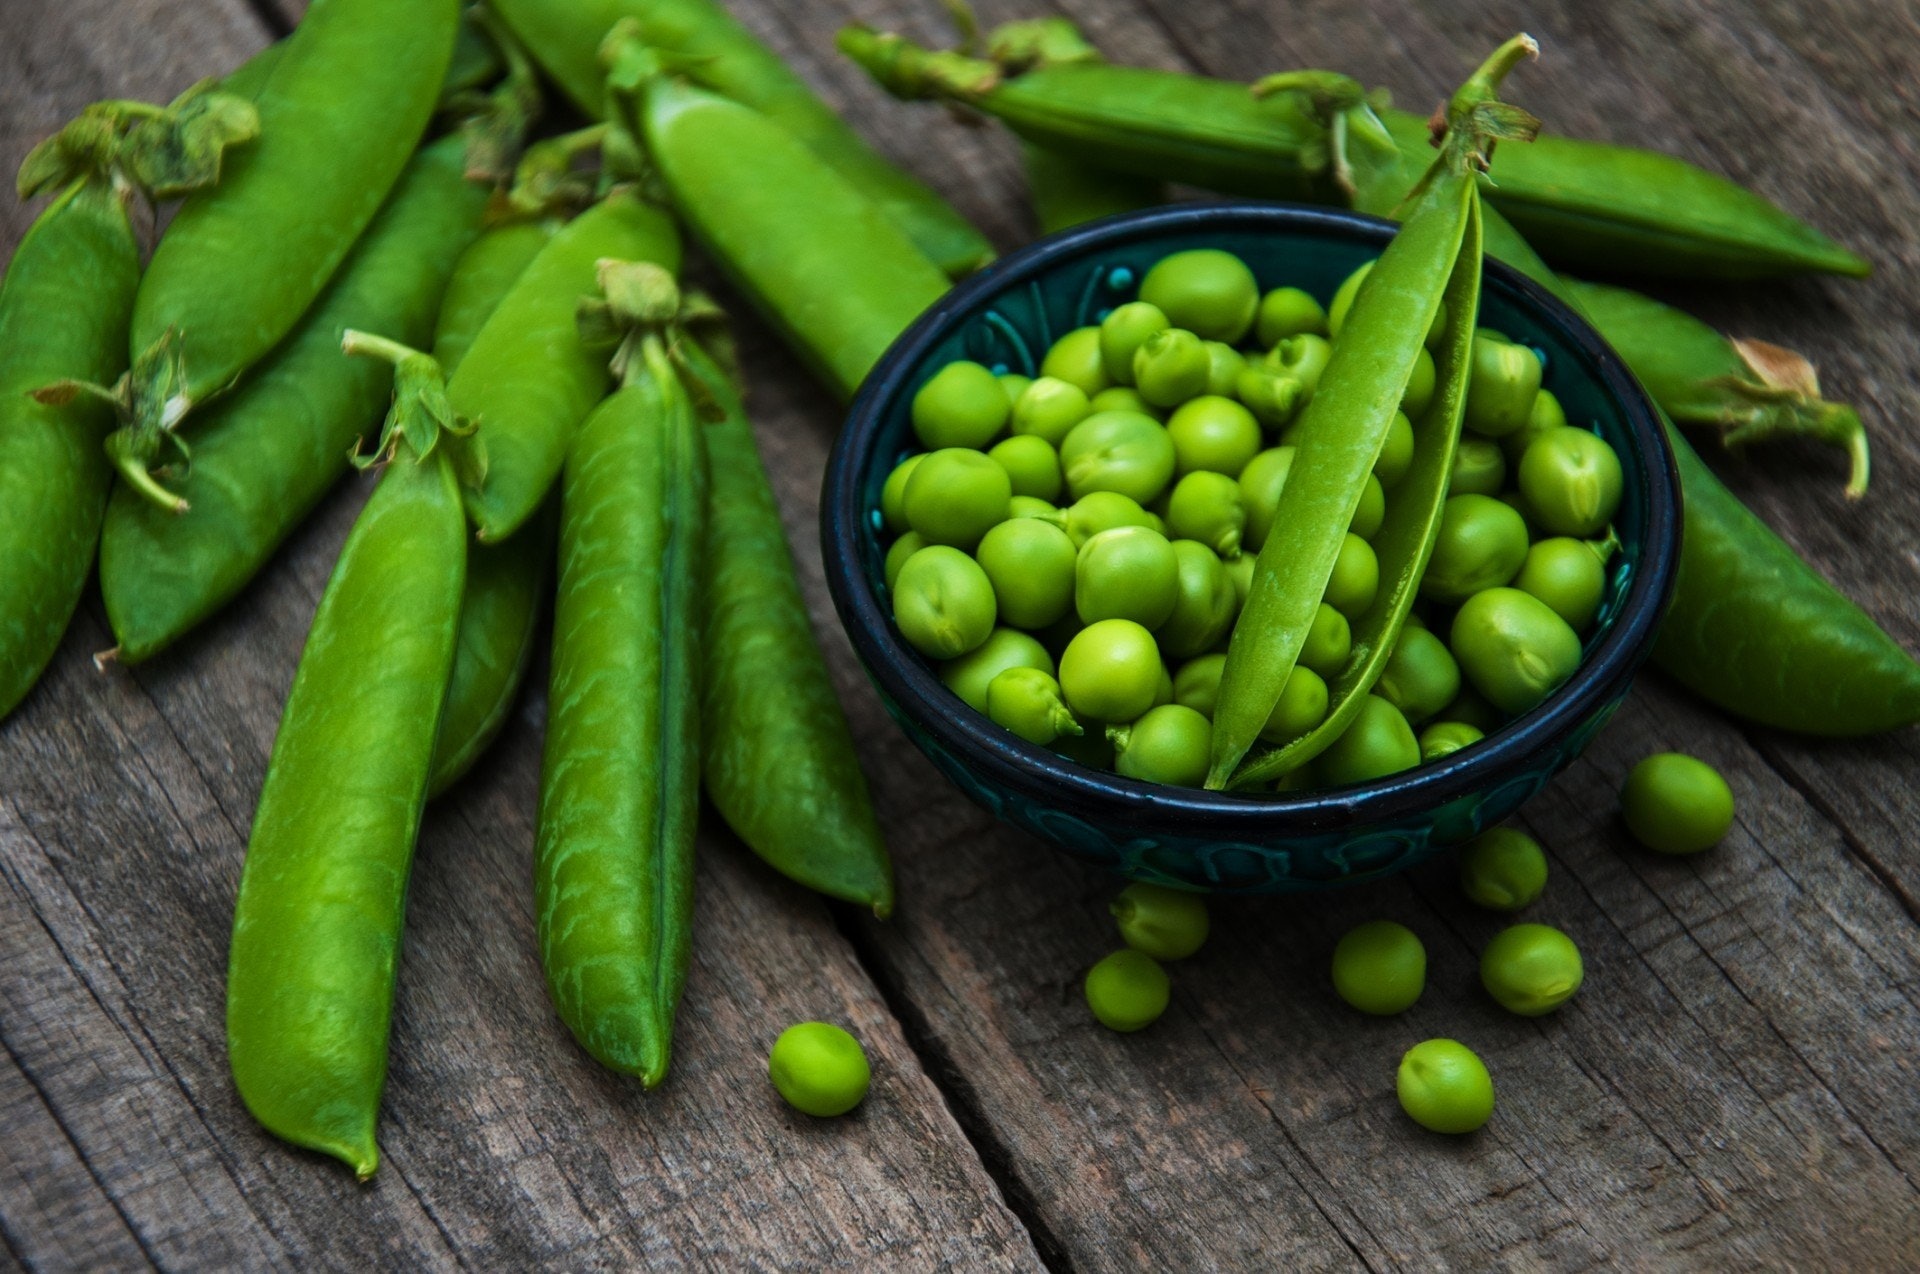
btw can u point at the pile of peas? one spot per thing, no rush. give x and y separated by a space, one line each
1072 551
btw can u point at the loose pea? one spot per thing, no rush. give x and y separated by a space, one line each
1355 578
1125 398
1420 385
943 602
1288 312
1421 676
1205 608
971 674
1099 511
1162 689
1546 414
1167 924
1129 572
1479 468
963 405
1444 738
1224 365
1480 544
1169 744
1031 566
893 496
1208 507
1513 648
1172 367
1378 743
1503 869
1240 571
1027 506
1127 991
1676 804
1032 465
1571 481
1027 701
1470 707
1371 511
1380 967
819 1068
1502 386
1302 705
902 549
1049 408
1206 291
1271 397
1329 642
1197 684
1343 298
954 495
1015 385
1123 332
1396 452
1568 576
1531 969
1261 482
1118 451
1444 1087
1213 433
1303 358
1111 671
1075 358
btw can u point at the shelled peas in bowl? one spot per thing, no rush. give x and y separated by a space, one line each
1072 550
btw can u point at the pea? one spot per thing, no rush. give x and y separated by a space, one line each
1014 384
902 549
1126 398
1444 1087
1302 705
1272 397
1421 676
1240 571
893 495
1444 738
1261 483
1378 743
1075 358
1127 991
1371 511
1396 452
1343 298
1329 642
1118 451
1162 689
1224 365
954 495
1380 968
1197 684
1420 385
1214 434
1206 291
1480 545
1568 576
1027 701
819 1069
1546 414
1129 572
1030 564
1208 507
1502 385
1027 506
943 602
1049 408
1032 465
1531 969
1571 480
1303 358
1206 605
1470 707
1479 468
1111 671
1123 332
1171 367
1099 511
1167 924
1288 312
1503 869
1512 648
962 405
1676 804
1169 744
970 674
1355 579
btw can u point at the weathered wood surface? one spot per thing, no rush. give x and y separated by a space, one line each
1736 1085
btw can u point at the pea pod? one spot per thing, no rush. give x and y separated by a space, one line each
481 279
316 928
265 453
1435 256
64 308
778 757
620 784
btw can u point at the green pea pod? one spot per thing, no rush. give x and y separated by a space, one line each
778 756
725 57
527 379
1436 255
620 784
64 309
1749 390
482 277
316 928
266 453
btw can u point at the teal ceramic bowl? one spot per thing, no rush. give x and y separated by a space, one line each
1006 317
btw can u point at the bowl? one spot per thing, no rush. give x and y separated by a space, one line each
1006 317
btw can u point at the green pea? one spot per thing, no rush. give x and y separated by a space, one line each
1503 869
1212 433
1343 298
1421 676
1378 743
1288 312
1355 579
1014 384
971 674
1208 507
1206 291
1272 397
1444 1087
1470 707
1162 689
1075 358
1027 701
1027 506
963 405
1167 924
1329 642
1676 804
1205 608
1240 571
1571 481
1512 648
1127 991
1126 398
1502 385
1261 483
1396 452
1118 451
1049 408
819 1069
1303 358
1032 465
1031 566
1531 969
1567 575
1123 332
1169 744
902 549
943 602
1371 511
1420 385
954 495
1172 367
1111 671
1224 365
1099 511
1197 684
1129 572
893 495
1444 738
1480 544
1302 705
1380 968
1546 414
1479 468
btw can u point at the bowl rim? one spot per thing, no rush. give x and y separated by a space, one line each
1010 761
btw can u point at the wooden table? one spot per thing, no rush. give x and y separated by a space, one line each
1737 1084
